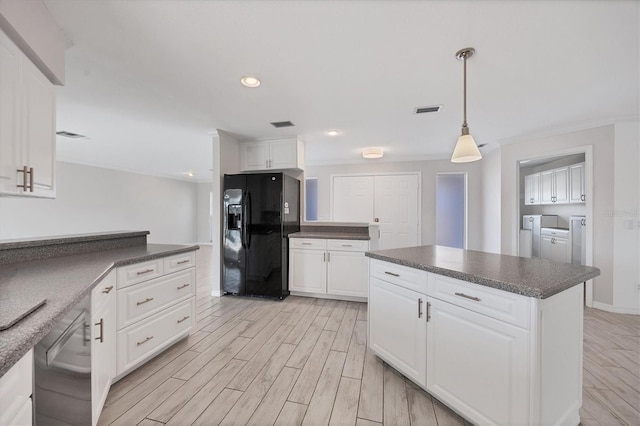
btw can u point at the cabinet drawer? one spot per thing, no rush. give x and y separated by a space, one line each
139 272
308 243
16 388
179 262
411 278
558 233
145 299
348 245
103 291
139 341
508 307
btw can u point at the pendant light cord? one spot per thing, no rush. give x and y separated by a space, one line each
464 122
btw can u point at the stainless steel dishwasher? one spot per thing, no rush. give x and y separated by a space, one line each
63 371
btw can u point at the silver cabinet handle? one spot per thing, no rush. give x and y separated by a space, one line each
392 274
531 200
307 244
148 299
180 287
27 178
107 290
583 222
182 262
146 271
101 324
466 296
183 319
347 245
531 219
328 256
419 308
31 179
142 342
582 197
428 311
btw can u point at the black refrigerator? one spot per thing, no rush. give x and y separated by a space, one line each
260 211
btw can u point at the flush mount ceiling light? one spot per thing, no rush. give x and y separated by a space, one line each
333 132
466 149
249 81
374 152
189 173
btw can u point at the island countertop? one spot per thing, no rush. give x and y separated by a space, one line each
537 278
63 281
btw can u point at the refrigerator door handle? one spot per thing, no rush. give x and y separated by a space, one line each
247 220
243 225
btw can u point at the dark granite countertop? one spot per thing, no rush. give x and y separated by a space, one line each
330 235
63 281
537 278
66 239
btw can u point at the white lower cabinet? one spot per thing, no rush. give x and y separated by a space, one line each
477 364
398 328
103 342
495 357
331 267
554 245
16 388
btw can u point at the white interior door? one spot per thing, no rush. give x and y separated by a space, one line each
353 199
396 209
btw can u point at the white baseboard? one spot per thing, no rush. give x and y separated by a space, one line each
615 309
216 292
329 296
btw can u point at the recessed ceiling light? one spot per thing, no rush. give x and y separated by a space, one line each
333 132
189 173
249 81
373 152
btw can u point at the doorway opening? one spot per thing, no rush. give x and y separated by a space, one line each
451 209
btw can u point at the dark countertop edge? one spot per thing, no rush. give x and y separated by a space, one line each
520 289
330 236
37 335
66 239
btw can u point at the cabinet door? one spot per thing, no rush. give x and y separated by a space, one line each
532 189
546 248
576 183
10 65
38 127
308 271
478 365
546 187
398 328
254 156
560 250
283 154
103 349
561 185
347 273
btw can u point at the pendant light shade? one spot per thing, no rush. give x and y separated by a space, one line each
466 149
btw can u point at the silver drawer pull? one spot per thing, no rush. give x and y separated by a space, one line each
468 297
180 287
347 245
142 342
183 319
392 274
101 325
107 290
182 262
148 299
307 244
419 308
146 271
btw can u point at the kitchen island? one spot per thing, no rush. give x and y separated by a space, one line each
497 338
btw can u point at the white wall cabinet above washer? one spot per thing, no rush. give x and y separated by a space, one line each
281 154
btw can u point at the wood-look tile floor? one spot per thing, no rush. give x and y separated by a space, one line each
305 361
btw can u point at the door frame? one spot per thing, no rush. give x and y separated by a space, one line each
374 174
465 241
587 150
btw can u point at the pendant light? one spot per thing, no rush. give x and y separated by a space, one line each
466 149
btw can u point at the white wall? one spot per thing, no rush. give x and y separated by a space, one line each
491 208
429 170
203 218
92 199
602 141
626 219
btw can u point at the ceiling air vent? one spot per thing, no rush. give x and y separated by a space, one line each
70 135
279 124
425 109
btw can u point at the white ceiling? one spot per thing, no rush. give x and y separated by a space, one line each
147 80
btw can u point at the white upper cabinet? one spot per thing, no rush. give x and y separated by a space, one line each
532 189
272 155
27 126
556 186
576 183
